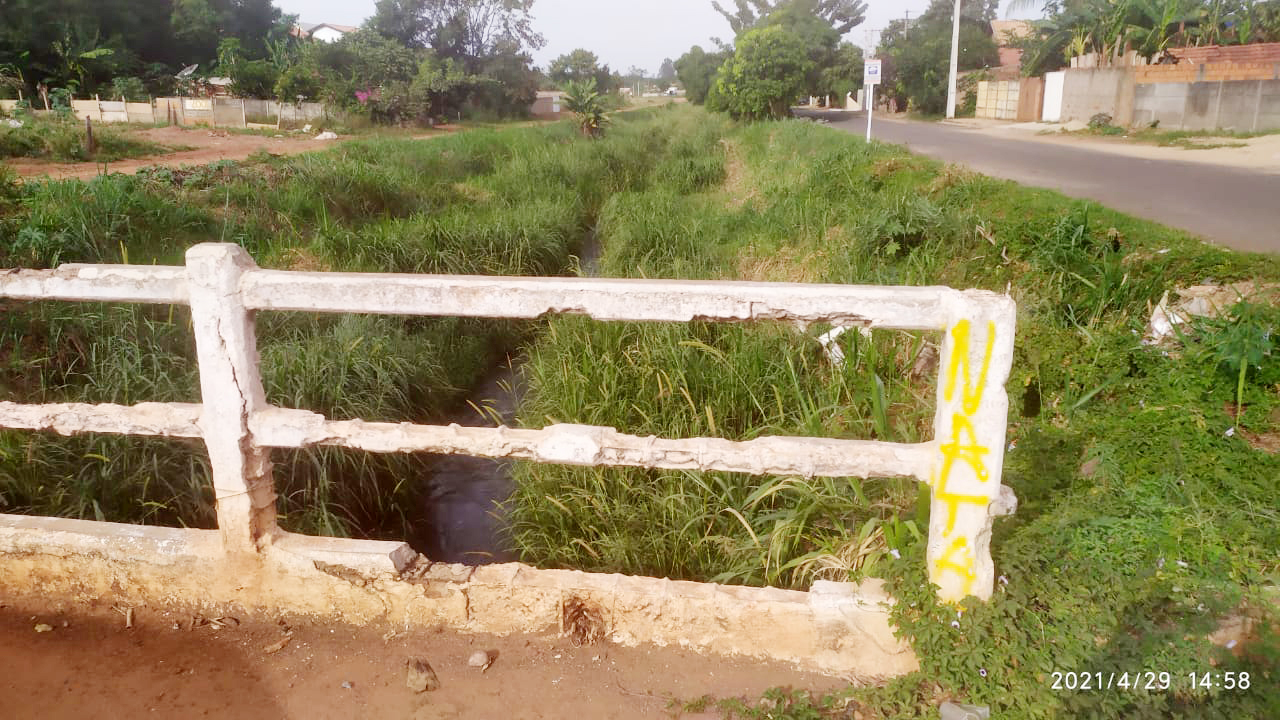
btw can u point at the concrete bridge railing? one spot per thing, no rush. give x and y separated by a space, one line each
224 288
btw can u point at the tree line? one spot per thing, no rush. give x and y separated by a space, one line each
413 60
785 49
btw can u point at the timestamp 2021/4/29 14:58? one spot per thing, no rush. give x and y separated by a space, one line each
1150 680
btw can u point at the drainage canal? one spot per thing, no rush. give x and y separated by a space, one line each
464 498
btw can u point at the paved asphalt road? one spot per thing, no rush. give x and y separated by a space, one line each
1228 206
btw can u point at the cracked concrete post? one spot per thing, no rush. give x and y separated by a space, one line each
227 348
969 430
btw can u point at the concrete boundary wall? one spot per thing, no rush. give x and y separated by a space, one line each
114 111
212 112
1087 92
1132 101
223 287
291 114
87 110
1246 105
140 112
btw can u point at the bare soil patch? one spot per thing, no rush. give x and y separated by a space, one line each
209 146
176 663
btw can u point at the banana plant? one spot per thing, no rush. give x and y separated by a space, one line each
75 53
1153 24
582 100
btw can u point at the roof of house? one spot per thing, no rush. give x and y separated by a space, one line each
340 28
550 93
1004 31
304 29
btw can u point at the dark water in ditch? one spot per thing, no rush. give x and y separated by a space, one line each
465 498
464 513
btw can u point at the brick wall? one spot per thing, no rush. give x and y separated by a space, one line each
1190 72
1266 53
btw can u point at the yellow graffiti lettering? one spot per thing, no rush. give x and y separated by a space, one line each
954 501
971 395
971 453
962 446
962 567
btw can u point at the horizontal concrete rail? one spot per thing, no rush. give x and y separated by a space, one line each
593 445
225 288
566 444
911 308
162 419
104 283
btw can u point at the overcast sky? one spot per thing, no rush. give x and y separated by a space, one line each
621 33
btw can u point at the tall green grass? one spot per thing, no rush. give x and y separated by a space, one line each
1145 516
65 141
515 202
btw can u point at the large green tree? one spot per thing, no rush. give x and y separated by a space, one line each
466 30
918 55
697 69
765 75
844 74
581 66
820 38
666 72
843 15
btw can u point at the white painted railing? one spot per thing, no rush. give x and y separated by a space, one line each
224 288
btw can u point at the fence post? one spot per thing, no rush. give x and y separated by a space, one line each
977 353
231 388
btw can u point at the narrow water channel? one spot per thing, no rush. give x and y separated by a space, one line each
464 498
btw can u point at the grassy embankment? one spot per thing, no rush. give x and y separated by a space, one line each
512 202
1143 520
59 140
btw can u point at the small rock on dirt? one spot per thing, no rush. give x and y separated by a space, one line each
478 659
420 677
326 135
42 627
277 646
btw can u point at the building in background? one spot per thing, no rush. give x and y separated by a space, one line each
1005 32
327 32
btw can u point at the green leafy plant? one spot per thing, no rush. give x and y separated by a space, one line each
1242 339
582 100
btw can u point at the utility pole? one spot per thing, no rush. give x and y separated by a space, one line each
955 55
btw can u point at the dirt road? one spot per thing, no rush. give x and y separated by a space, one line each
172 664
